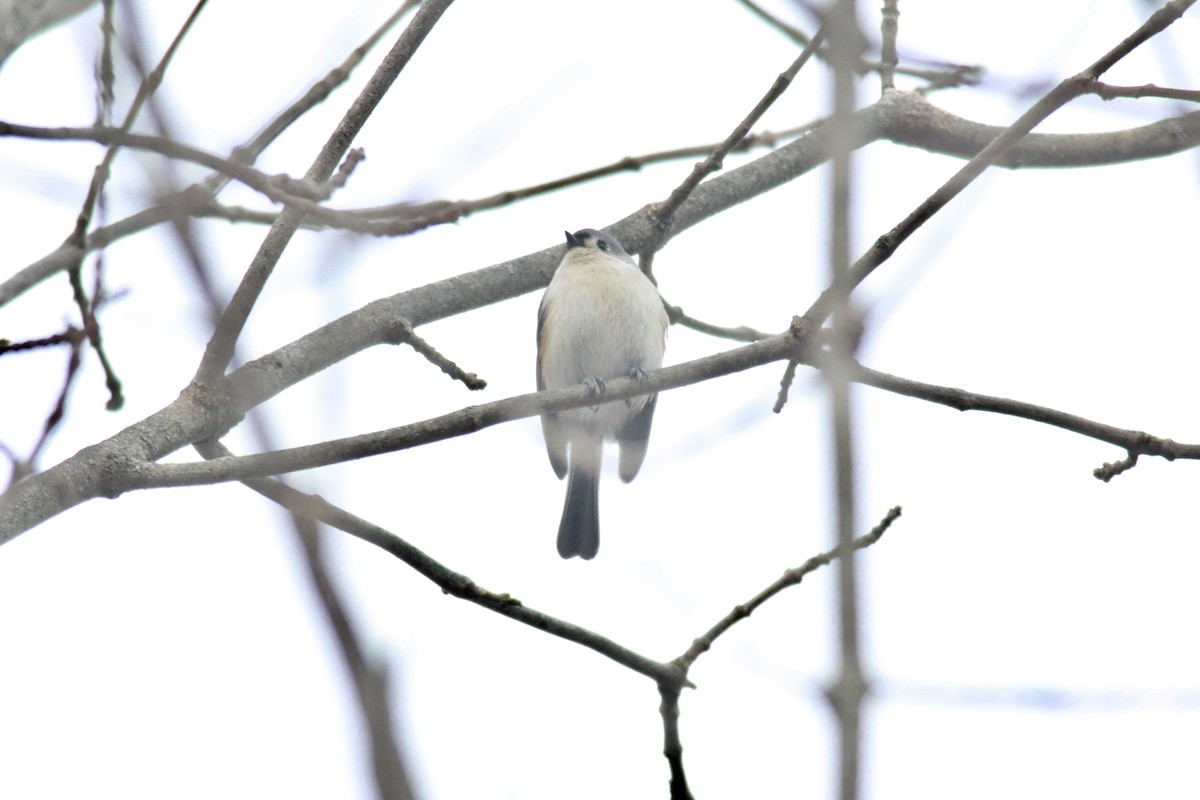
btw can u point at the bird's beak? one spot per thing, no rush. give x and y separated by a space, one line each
572 241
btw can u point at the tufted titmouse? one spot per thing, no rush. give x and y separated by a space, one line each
600 318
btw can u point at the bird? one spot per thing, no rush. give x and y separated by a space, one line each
600 318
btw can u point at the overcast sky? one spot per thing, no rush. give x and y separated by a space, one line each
1027 629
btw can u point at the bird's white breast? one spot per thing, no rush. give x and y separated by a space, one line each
603 318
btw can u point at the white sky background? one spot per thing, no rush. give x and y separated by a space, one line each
1027 628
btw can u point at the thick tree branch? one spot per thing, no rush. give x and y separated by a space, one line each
900 117
126 460
927 127
456 423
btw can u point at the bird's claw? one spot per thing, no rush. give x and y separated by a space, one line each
597 388
638 374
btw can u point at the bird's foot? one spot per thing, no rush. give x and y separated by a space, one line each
597 388
638 374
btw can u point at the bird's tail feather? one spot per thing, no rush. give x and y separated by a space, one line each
579 531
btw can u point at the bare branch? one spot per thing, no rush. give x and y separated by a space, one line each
1135 443
456 423
741 333
889 26
74 338
663 213
925 126
406 335
220 347
942 76
791 577
457 584
147 88
78 237
1109 92
198 414
901 117
1066 91
672 744
195 199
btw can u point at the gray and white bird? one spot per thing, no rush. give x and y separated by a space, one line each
600 318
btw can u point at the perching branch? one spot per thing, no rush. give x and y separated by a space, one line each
200 414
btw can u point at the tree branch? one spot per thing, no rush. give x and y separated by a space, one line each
221 346
456 423
1059 96
1135 443
900 117
791 577
195 199
205 412
198 415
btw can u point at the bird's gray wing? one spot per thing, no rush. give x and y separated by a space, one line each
552 427
633 439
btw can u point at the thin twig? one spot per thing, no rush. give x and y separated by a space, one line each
742 333
1135 443
672 743
319 91
791 577
75 339
1107 91
406 335
942 76
889 27
785 386
71 335
78 237
298 193
662 214
147 88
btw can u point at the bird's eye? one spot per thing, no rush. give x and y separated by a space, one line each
603 245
